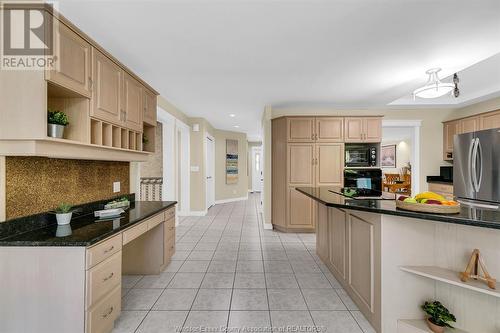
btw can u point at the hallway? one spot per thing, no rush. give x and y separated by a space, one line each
229 272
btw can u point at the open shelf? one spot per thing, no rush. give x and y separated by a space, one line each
150 135
419 326
450 277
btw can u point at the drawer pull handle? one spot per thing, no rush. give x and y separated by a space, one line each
108 313
172 247
109 277
110 249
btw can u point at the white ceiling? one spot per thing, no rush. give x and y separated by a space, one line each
213 58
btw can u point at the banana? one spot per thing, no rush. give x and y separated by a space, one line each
429 195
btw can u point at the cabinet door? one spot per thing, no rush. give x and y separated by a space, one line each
132 103
330 129
72 66
361 274
469 125
337 241
301 164
107 82
322 248
300 210
329 164
300 129
449 130
150 104
490 120
353 129
372 129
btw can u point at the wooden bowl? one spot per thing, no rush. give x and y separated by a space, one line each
426 208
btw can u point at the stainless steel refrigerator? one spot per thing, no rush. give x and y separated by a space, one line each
476 167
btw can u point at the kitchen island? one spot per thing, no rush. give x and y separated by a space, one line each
390 261
68 278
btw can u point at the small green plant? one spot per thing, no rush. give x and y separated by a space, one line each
438 314
145 140
57 117
63 208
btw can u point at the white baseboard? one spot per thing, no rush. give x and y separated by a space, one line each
218 202
268 226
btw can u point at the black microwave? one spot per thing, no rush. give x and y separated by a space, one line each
360 156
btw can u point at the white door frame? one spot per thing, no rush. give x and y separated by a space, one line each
185 162
259 177
414 127
208 203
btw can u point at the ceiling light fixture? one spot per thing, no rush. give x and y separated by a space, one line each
232 115
434 87
236 126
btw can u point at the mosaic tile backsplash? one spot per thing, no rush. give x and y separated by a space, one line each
38 184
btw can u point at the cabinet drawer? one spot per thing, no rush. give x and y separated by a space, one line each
155 220
103 278
134 232
104 250
170 229
169 213
443 188
100 318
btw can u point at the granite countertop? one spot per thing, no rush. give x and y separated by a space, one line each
478 217
85 230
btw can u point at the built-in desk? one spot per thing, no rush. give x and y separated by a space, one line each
68 279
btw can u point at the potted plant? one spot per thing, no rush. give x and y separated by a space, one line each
56 122
63 213
439 316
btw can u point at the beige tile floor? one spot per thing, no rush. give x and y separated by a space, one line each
228 272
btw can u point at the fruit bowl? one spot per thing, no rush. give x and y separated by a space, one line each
427 208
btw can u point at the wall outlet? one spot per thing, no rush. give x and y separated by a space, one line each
116 187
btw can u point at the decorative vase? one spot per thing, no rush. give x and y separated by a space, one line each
435 328
55 131
63 219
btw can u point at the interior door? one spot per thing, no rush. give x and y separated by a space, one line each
257 179
210 171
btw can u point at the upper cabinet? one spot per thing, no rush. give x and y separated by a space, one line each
363 129
330 129
300 129
132 103
149 106
470 124
72 65
106 87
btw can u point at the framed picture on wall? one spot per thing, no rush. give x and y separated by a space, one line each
388 156
231 161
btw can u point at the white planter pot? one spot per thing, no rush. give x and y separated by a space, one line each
63 230
63 219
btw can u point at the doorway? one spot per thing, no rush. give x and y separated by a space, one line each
257 179
210 171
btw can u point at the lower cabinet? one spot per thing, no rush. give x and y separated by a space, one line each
351 251
300 212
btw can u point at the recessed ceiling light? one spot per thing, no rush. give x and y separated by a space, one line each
232 115
236 126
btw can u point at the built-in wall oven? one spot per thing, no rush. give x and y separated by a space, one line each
363 178
360 155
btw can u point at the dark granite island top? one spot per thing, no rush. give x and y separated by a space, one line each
86 230
478 217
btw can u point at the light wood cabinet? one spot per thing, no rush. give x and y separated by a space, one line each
490 120
329 162
106 87
301 164
300 129
322 233
301 211
132 103
72 65
446 190
450 130
149 107
468 125
329 129
337 241
363 129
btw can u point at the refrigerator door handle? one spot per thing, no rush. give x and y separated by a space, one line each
479 159
474 164
470 165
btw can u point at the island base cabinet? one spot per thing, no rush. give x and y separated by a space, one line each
353 256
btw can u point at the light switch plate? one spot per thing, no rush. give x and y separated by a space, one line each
195 168
116 187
